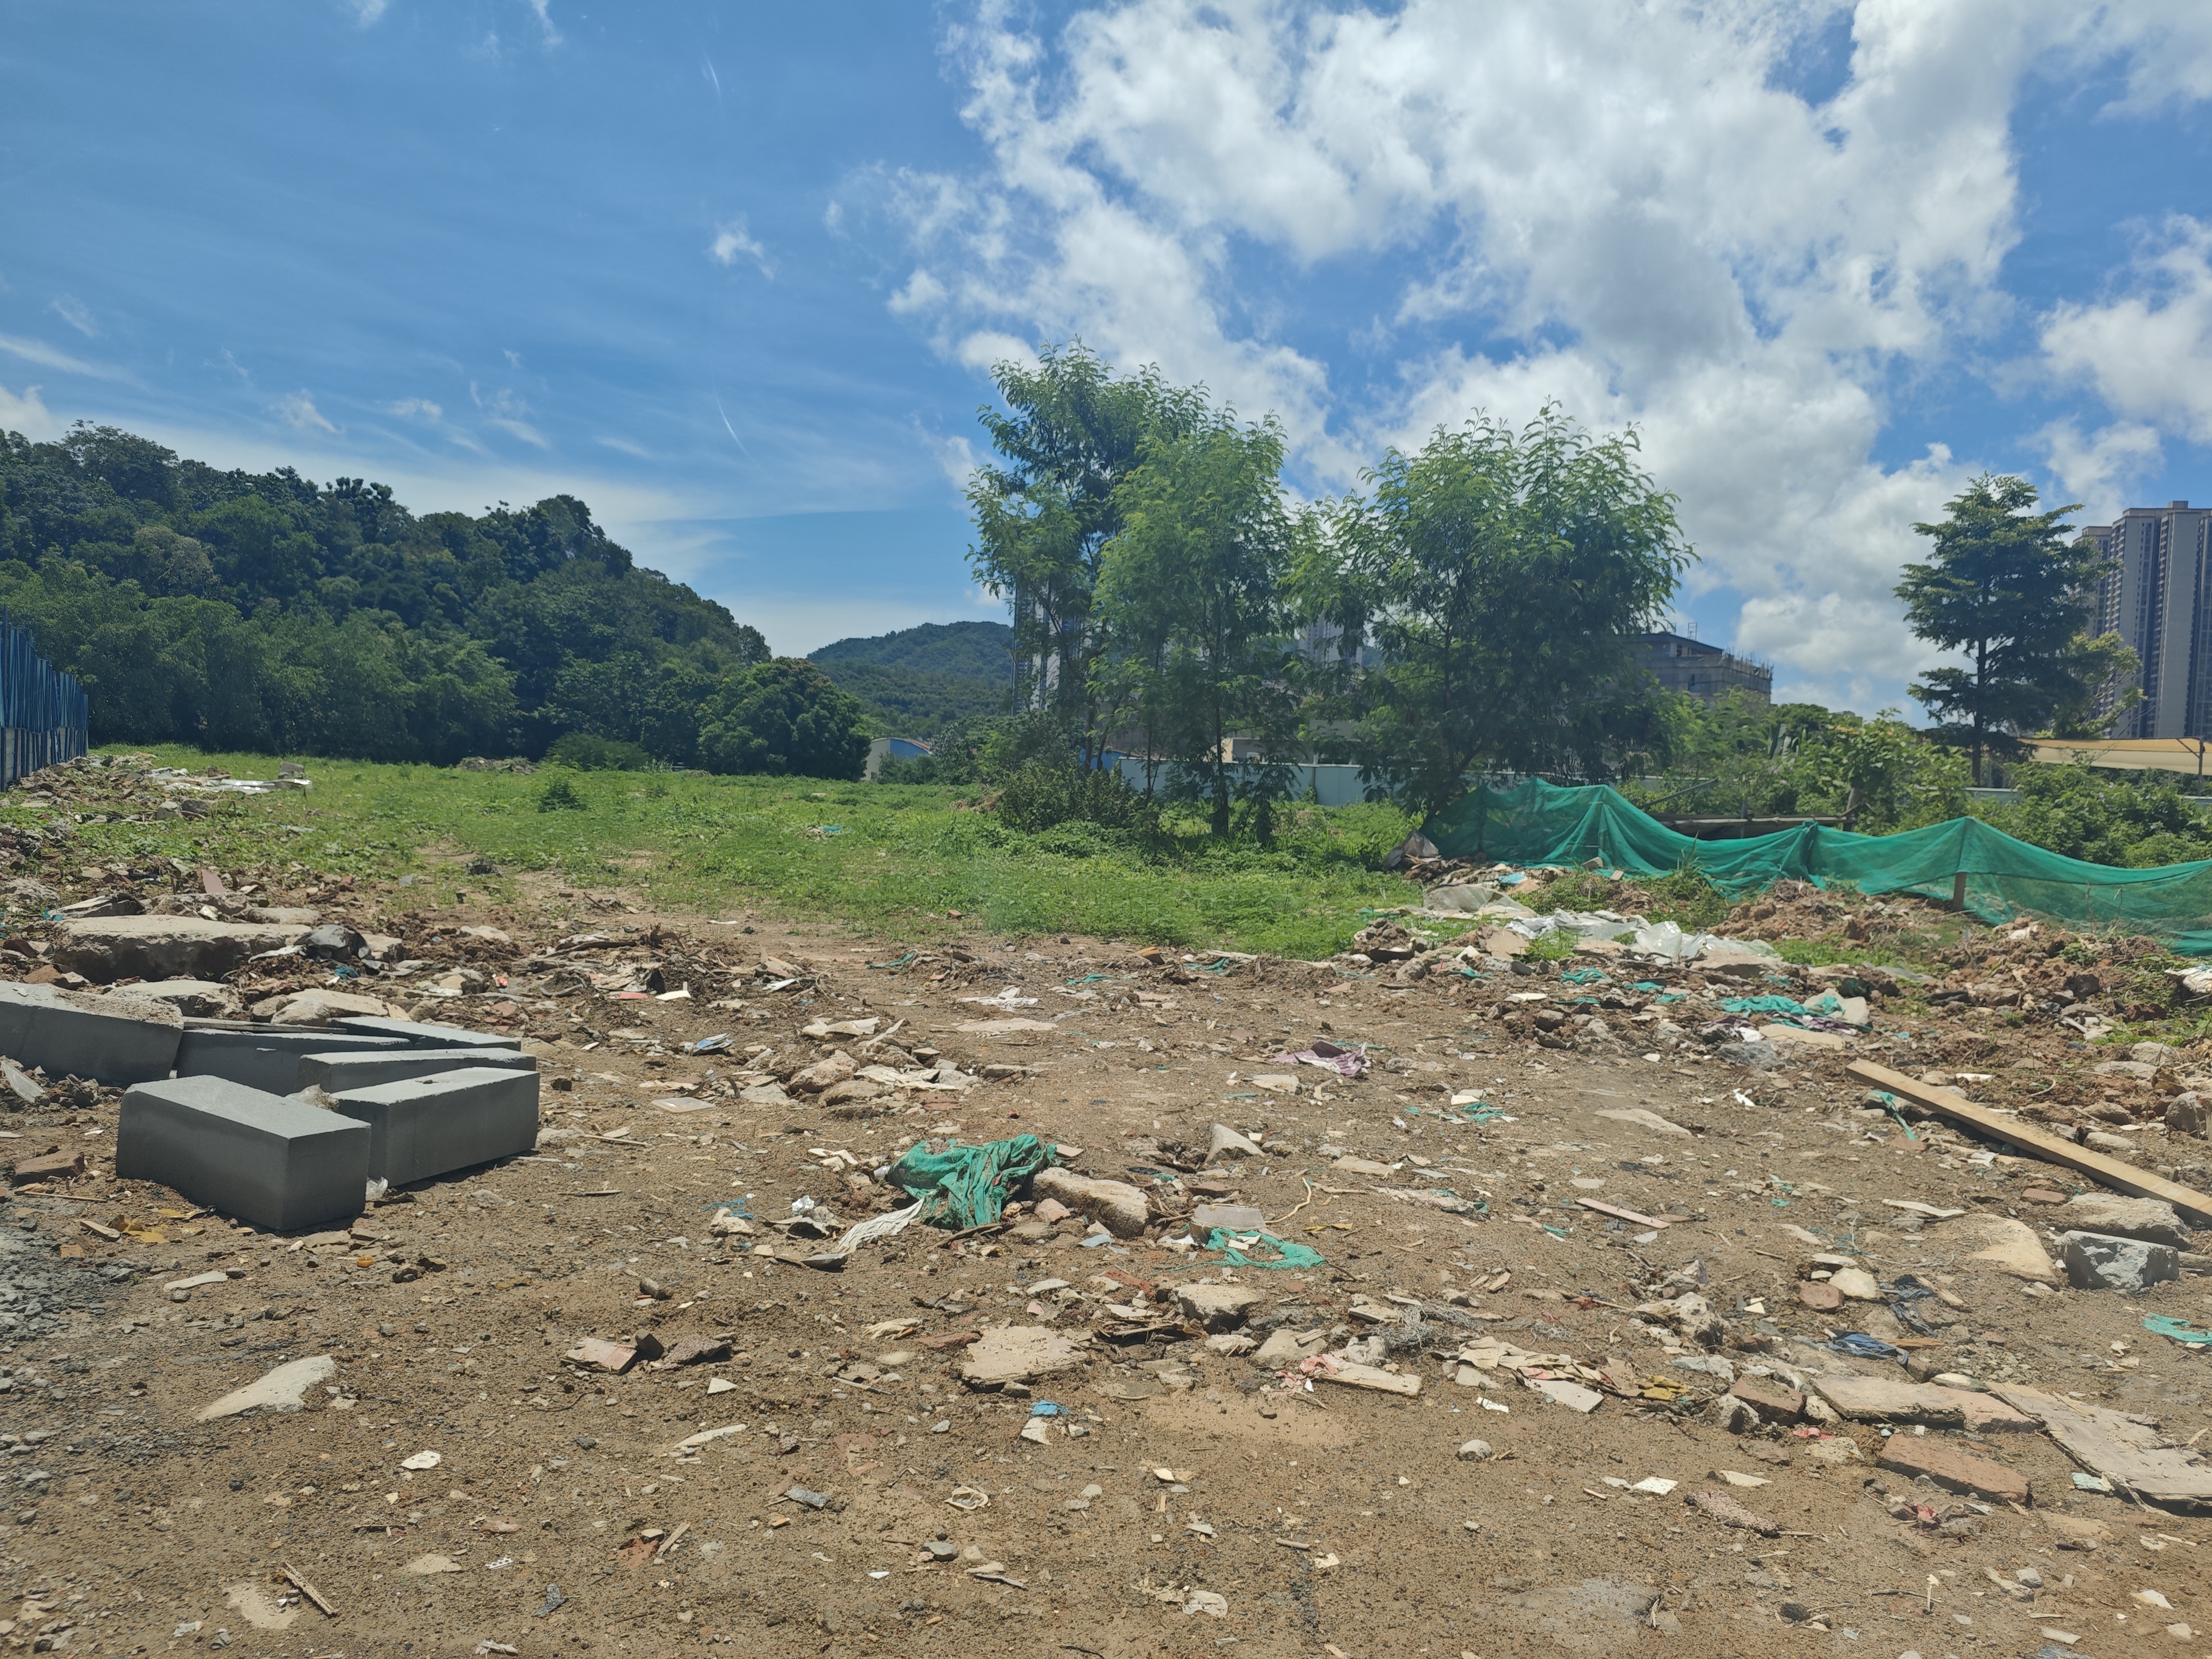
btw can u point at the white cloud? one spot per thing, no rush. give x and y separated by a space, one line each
2095 468
299 408
1619 207
955 456
733 242
2148 353
47 357
504 410
627 448
28 415
416 409
366 12
542 10
72 311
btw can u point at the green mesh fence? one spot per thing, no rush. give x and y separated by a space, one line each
1995 878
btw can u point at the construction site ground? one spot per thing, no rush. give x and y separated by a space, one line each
1180 1500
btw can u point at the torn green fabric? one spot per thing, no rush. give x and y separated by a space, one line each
968 1184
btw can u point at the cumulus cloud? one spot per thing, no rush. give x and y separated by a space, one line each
1625 209
2148 350
2095 468
733 243
25 413
299 408
366 12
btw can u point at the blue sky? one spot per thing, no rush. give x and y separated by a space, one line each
735 273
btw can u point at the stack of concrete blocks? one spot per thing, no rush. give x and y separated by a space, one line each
285 1128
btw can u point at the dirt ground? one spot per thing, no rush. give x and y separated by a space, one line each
1182 1500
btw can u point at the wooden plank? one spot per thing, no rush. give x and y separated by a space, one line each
2121 1177
1654 1222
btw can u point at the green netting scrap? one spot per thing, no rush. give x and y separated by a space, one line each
1997 878
968 1184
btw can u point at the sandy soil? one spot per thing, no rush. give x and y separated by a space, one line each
1185 1500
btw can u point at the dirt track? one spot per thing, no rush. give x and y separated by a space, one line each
1328 1520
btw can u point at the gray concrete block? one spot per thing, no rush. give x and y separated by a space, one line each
275 1163
116 1039
265 1057
2104 1261
427 1126
340 1071
418 1034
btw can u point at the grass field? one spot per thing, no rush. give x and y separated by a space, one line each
886 861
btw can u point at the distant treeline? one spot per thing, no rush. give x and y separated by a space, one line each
261 611
919 681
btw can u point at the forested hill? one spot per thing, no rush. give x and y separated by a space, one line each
262 611
920 680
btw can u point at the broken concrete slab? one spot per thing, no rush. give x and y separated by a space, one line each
1951 1469
1016 1353
1225 1142
338 1070
427 1126
275 1163
1880 1400
1217 1307
1642 1118
1999 1241
104 948
424 1034
261 1056
203 998
1285 1347
2147 1219
2128 1453
1372 1377
1119 1205
280 1390
2102 1262
1229 1217
117 1040
1775 1401
319 1006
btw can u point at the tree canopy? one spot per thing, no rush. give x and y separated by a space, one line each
265 611
2007 586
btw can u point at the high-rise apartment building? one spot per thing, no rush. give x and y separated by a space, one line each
2156 594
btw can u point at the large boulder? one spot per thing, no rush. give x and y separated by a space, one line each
104 948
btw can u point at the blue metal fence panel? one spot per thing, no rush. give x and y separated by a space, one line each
45 716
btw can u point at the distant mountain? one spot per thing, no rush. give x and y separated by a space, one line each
920 680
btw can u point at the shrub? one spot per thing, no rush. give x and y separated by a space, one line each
560 796
1040 795
785 718
588 752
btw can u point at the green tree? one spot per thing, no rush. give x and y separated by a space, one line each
1878 775
1501 577
1194 633
787 718
1071 431
2005 585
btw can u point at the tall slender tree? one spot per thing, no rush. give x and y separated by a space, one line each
1195 640
1070 433
2007 586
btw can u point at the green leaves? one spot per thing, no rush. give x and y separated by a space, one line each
786 718
2008 587
1497 579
